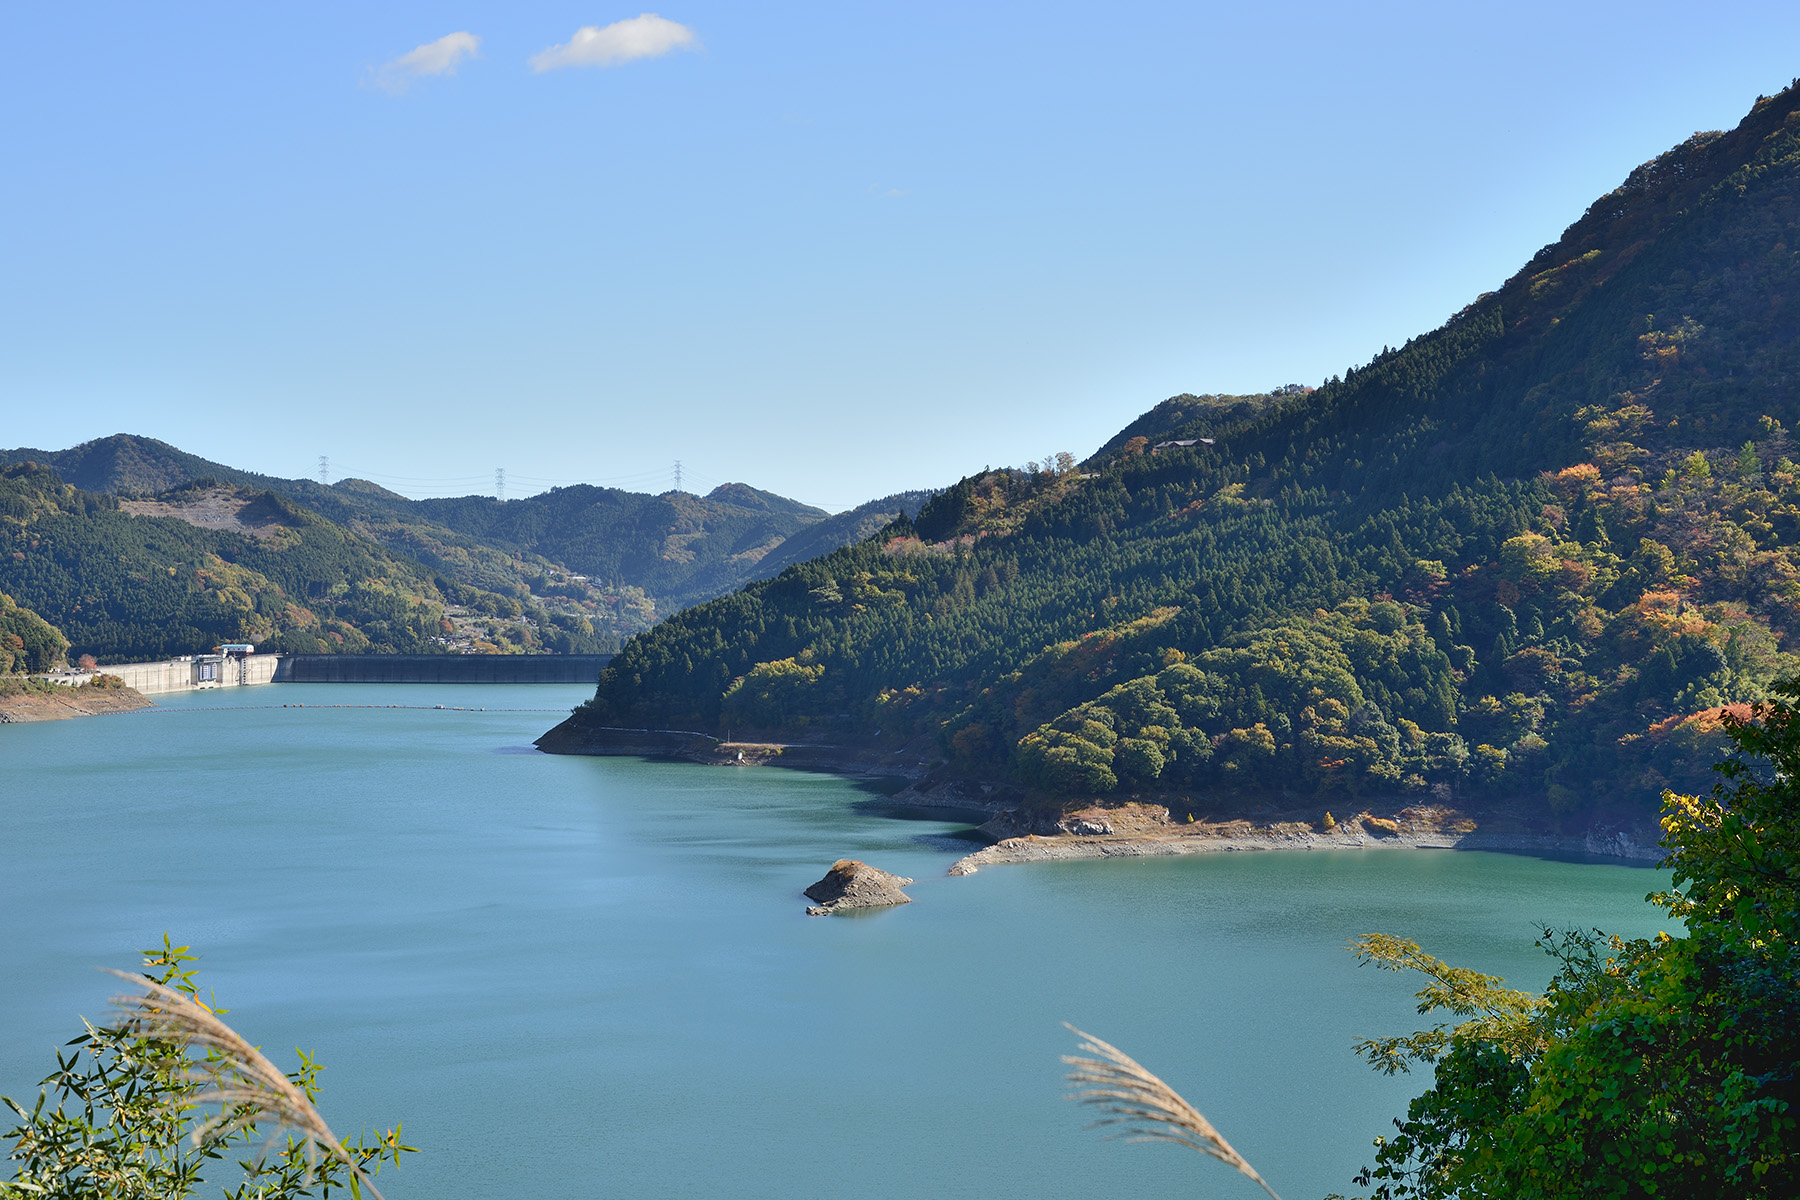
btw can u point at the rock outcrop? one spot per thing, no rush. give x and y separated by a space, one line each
1023 822
853 884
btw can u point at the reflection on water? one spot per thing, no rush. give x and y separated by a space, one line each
592 977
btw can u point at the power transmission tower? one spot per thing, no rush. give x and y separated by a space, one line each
324 470
500 484
678 474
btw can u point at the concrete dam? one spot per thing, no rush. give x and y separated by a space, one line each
199 672
440 668
192 672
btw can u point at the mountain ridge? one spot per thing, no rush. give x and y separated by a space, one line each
1404 581
626 559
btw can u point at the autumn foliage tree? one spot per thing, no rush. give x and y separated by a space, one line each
1667 1066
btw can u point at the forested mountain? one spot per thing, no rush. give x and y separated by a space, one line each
246 566
677 547
27 641
131 466
623 559
1533 552
1195 417
847 528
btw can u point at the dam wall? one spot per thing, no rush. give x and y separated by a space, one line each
195 672
441 668
202 671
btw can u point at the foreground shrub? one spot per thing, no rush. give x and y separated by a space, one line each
122 1117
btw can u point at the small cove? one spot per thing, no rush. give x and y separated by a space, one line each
578 977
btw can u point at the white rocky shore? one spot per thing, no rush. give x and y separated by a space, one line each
1023 830
1140 830
1033 847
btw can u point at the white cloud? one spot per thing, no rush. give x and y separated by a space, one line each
645 36
433 58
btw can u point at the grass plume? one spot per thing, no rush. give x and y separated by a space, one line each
1144 1107
245 1084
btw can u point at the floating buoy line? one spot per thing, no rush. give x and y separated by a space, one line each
408 707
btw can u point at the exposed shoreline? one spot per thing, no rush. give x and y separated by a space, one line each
1144 830
23 708
1037 848
1025 832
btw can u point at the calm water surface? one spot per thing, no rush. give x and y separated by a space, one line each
576 977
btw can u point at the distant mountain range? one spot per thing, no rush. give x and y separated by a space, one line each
573 569
1539 551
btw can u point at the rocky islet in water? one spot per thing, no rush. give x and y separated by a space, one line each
854 884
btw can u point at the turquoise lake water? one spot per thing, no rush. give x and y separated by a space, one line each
582 977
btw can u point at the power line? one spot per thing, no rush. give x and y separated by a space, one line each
594 479
417 478
453 480
445 486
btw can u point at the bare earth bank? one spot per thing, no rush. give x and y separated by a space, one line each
64 703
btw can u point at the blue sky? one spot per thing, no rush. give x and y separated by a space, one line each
829 250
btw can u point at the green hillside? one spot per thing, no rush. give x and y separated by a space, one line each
124 585
27 641
677 547
1531 553
626 559
123 464
844 529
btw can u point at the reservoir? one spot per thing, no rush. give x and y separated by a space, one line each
588 977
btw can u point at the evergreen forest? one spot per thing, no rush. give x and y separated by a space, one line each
121 587
571 570
27 641
1544 550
